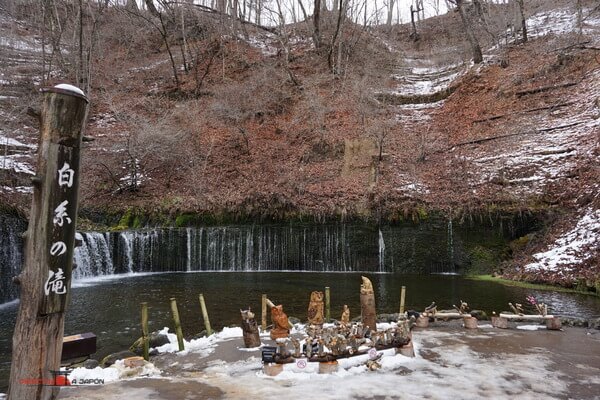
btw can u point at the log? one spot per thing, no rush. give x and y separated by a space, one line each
498 322
45 277
550 107
554 324
422 321
445 315
525 317
470 322
544 88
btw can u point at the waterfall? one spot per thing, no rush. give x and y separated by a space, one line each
10 255
93 257
381 252
451 245
252 247
126 239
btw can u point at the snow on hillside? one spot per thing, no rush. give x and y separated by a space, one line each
572 248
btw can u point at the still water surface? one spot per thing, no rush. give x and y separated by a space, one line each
109 307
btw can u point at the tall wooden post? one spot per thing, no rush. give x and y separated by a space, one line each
177 321
402 298
145 337
45 278
263 319
327 305
205 315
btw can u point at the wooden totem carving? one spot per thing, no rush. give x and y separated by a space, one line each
367 305
315 308
281 325
345 320
250 329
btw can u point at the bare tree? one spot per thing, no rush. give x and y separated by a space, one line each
475 47
523 19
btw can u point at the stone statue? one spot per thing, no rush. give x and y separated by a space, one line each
281 325
315 308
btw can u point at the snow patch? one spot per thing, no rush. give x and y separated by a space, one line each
203 345
569 249
530 327
70 88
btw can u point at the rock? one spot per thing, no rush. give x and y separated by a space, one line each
112 358
594 323
575 321
90 364
387 317
479 314
156 340
199 335
294 320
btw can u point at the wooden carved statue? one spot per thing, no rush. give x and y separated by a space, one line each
367 305
250 329
315 308
281 325
345 320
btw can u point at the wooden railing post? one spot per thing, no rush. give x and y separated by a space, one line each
205 315
145 338
402 298
177 321
45 277
264 313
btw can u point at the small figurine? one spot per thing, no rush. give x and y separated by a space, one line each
345 320
315 308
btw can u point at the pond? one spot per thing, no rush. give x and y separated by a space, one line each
110 306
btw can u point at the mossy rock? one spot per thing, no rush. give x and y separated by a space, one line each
112 358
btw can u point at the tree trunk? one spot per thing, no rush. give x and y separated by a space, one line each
390 12
317 24
475 48
523 20
49 244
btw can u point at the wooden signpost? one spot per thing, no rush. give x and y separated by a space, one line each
45 277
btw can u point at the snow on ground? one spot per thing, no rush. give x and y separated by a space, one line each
427 80
117 371
262 43
570 249
455 372
530 327
203 345
12 162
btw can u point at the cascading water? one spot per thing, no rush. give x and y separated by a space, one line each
10 255
451 244
435 246
381 252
